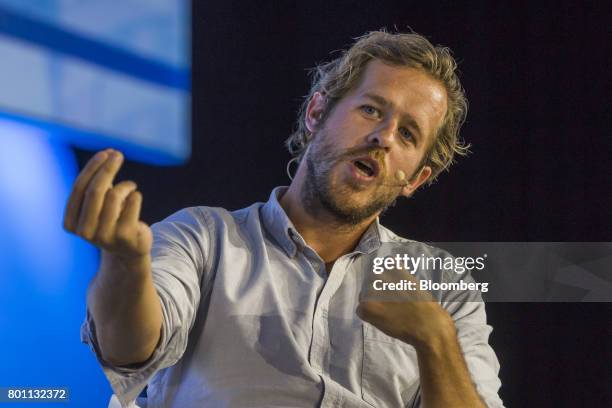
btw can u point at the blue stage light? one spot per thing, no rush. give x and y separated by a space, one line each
44 271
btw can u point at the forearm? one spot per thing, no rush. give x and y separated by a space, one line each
126 310
445 379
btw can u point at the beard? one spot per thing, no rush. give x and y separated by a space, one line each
323 195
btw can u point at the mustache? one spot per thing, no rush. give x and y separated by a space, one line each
374 152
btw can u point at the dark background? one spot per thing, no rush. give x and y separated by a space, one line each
538 81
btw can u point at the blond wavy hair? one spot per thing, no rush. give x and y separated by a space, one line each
336 78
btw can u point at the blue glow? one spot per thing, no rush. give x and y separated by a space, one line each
95 141
44 271
90 75
99 75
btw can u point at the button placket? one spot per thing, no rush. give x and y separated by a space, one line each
320 347
320 333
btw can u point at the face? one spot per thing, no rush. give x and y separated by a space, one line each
385 124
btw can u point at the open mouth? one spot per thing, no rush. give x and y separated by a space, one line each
367 167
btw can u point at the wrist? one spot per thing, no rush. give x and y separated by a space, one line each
438 337
118 270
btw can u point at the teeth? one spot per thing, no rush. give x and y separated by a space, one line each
364 164
364 167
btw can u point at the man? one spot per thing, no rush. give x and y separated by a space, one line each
263 306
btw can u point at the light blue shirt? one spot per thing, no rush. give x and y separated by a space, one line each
252 319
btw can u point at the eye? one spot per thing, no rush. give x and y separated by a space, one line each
370 111
407 134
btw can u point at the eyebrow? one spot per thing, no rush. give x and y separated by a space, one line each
387 103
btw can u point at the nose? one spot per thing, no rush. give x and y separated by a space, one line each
383 136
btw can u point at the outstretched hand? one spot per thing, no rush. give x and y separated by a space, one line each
108 215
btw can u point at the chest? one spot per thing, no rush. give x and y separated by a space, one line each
289 315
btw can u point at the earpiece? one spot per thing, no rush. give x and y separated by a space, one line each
401 177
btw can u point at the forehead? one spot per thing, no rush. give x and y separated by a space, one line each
411 91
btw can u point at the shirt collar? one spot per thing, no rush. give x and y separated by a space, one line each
370 240
280 226
278 223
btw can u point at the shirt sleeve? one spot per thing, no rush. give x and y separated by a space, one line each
467 309
180 245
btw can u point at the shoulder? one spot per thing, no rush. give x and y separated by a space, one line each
199 233
211 218
390 239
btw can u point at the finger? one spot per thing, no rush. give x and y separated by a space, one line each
95 193
145 238
127 224
360 312
71 214
111 209
367 310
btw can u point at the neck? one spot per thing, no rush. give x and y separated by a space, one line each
324 233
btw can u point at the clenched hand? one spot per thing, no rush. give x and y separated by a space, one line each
108 215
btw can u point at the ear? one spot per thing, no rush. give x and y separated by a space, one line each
416 181
314 111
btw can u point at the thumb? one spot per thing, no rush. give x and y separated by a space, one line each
144 238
